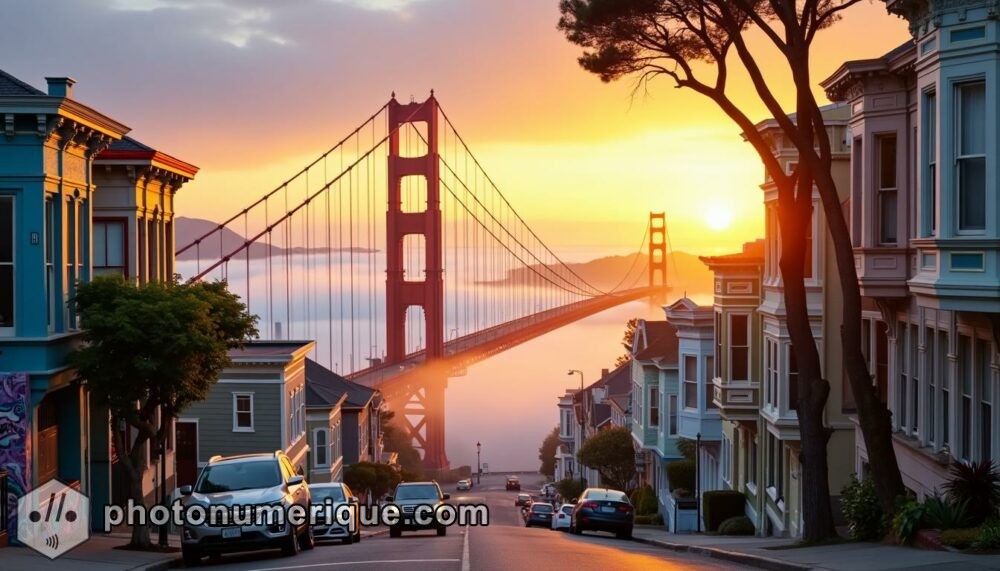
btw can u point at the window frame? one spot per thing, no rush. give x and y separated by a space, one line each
324 449
104 222
236 411
688 380
10 330
732 346
882 192
961 157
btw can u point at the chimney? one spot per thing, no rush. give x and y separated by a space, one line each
60 86
604 372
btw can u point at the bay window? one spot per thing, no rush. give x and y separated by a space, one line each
930 156
970 159
739 347
887 189
690 382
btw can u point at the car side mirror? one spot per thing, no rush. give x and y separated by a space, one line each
352 499
388 498
446 497
295 480
185 490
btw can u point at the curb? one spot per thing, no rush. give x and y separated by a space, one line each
758 561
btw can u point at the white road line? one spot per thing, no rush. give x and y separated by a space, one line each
342 563
465 550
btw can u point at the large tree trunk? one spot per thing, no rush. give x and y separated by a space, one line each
813 390
134 463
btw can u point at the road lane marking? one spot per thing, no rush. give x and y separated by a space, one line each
342 563
465 550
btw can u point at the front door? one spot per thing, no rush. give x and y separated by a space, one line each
187 453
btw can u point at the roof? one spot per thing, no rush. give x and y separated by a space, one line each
130 151
255 351
601 414
621 402
752 254
896 59
661 343
12 86
324 387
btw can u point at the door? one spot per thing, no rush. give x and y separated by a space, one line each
186 452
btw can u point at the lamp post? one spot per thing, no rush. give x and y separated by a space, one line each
581 418
697 479
479 466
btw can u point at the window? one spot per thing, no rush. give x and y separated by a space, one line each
914 380
242 412
739 347
902 388
887 189
931 427
752 464
725 463
709 389
320 447
672 428
690 382
50 248
771 373
965 409
775 466
793 380
296 415
6 262
971 157
654 406
930 149
718 344
109 248
984 376
944 383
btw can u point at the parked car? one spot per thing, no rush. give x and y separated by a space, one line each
513 483
540 513
522 500
250 479
603 509
339 494
408 496
464 485
560 520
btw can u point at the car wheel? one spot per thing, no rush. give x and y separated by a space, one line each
307 540
627 534
347 540
291 543
575 529
192 557
394 532
357 537
442 531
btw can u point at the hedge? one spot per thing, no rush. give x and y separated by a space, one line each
680 474
718 506
739 525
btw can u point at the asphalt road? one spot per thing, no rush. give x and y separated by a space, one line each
504 544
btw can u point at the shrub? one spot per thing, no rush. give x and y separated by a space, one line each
977 483
644 500
739 525
989 536
658 519
680 474
643 520
718 506
960 538
907 520
862 509
939 513
688 448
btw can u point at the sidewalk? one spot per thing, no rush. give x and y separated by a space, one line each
761 552
99 553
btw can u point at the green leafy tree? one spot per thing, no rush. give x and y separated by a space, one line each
627 338
570 488
610 452
547 453
372 479
396 440
696 44
150 351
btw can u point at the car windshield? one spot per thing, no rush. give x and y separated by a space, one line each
542 508
606 495
567 510
417 492
320 494
523 496
235 476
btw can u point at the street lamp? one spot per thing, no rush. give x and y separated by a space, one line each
479 466
581 418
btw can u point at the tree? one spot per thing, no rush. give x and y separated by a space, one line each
610 452
397 440
547 453
570 488
652 38
627 338
150 351
373 479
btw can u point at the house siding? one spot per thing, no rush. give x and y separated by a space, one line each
215 416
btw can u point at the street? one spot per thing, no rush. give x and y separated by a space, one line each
504 544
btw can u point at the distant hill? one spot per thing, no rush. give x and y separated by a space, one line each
187 230
685 272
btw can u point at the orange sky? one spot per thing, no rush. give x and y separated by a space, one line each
250 91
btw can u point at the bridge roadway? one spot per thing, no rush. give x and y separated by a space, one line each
474 347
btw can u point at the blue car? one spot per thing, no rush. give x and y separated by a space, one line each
602 509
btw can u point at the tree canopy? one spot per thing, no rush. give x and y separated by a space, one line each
547 453
610 452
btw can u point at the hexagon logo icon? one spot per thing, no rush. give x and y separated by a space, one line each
53 518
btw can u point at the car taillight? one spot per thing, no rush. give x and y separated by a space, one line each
625 508
590 505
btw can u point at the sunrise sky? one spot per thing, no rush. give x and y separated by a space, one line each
250 90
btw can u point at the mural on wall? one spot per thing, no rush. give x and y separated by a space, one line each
15 439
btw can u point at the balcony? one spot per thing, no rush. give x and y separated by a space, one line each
960 274
738 400
882 271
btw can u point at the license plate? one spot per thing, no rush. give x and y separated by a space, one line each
231 532
607 509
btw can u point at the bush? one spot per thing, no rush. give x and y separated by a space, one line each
688 448
643 520
861 508
739 525
907 520
680 474
942 514
977 483
960 538
718 506
658 519
644 501
989 536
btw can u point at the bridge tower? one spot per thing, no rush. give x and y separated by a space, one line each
657 250
424 404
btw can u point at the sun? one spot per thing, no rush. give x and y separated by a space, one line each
718 217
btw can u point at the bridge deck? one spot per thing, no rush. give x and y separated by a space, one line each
469 349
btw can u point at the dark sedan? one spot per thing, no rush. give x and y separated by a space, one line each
602 509
539 513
